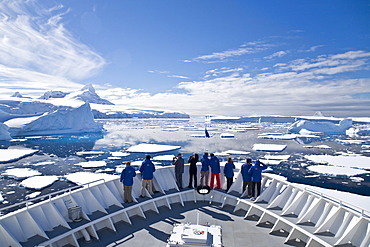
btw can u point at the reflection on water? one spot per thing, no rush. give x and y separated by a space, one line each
60 151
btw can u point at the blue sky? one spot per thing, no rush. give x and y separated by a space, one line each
200 57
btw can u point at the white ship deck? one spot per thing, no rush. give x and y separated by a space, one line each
283 215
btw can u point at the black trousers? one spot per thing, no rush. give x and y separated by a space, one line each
254 184
229 182
193 175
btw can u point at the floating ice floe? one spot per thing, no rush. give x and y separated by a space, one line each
344 160
92 164
269 147
119 154
277 157
38 182
1 197
33 195
278 137
44 163
20 173
151 148
274 159
10 155
319 146
89 177
336 171
232 152
164 157
271 162
89 153
351 142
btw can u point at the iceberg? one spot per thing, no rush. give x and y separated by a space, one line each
4 134
320 127
68 121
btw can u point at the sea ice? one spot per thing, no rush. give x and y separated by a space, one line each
271 162
81 178
277 157
151 148
350 142
10 155
38 182
344 160
33 195
336 171
119 154
20 173
92 164
269 147
81 153
168 157
319 146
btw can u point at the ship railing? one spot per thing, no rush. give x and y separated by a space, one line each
359 210
49 196
354 208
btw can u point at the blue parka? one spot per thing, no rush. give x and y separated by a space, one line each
147 169
245 172
127 176
256 171
229 170
215 165
205 163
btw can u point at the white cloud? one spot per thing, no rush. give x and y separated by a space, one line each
288 91
277 54
35 43
248 48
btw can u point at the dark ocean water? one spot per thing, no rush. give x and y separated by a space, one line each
60 151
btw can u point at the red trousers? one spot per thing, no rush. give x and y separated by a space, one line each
218 181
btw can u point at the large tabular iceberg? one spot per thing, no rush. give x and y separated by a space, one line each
321 127
68 121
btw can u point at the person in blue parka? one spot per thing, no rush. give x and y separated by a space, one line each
204 170
214 163
229 173
147 169
127 178
256 175
247 178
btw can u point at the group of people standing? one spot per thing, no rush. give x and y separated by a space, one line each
209 164
251 174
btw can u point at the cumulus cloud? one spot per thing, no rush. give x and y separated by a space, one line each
248 48
299 87
34 42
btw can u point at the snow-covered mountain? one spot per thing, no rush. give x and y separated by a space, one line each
88 94
57 112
